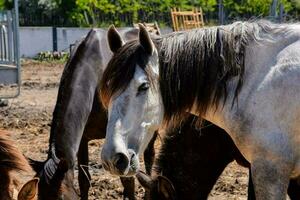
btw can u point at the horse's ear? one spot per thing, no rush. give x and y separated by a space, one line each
115 41
166 188
145 180
29 190
145 40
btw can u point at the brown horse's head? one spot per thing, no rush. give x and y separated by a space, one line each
158 188
56 180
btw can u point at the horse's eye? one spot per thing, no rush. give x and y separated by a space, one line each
143 87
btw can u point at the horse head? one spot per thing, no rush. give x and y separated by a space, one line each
56 180
159 187
126 90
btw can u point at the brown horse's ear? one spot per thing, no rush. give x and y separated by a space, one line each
145 180
29 190
145 40
166 188
115 41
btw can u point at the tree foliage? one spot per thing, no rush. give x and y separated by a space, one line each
249 8
6 4
125 12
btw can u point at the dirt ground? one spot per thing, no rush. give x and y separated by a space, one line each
28 118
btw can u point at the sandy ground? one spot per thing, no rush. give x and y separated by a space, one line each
28 118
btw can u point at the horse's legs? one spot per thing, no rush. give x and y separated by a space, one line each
251 192
129 189
270 179
294 190
149 154
84 176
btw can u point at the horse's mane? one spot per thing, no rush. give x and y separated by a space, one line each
203 61
11 159
195 66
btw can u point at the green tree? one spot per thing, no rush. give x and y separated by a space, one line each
206 5
6 4
249 8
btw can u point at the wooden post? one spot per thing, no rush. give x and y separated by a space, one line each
281 12
221 12
273 13
54 38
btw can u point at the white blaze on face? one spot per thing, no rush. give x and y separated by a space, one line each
135 114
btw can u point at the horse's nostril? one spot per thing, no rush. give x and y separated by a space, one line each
121 162
132 155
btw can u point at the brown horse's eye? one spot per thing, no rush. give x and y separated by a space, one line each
143 87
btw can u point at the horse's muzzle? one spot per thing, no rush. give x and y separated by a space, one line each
120 163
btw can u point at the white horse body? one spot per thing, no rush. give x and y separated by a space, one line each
271 115
264 121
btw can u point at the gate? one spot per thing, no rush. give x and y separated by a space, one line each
10 80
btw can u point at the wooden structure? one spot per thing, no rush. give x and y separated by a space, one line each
185 20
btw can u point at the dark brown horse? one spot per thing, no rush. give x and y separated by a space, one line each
11 160
78 117
188 165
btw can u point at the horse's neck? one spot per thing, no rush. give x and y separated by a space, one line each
259 60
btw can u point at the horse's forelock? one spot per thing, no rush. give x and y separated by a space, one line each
120 70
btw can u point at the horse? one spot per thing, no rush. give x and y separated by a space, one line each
78 117
12 160
242 77
188 165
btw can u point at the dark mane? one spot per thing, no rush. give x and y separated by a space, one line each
202 60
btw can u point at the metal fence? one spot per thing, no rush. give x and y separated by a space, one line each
9 53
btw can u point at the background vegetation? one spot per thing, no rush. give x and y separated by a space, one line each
125 12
